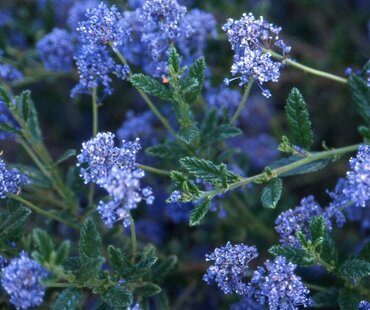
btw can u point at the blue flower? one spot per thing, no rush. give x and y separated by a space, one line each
77 13
7 119
8 73
10 180
230 267
21 279
364 305
56 50
102 25
99 155
290 222
249 38
277 285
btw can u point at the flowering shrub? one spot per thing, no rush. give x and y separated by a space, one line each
208 195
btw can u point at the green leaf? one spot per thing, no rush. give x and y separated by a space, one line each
119 261
117 297
167 150
317 228
354 269
223 132
188 134
299 119
174 62
148 290
161 301
348 299
66 155
151 86
163 268
365 252
11 227
44 243
7 128
33 125
5 96
207 170
63 252
72 264
326 299
196 71
199 212
296 256
90 241
67 300
329 251
308 168
360 95
271 193
209 123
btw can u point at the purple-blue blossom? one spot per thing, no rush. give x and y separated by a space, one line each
21 279
6 118
56 50
230 267
77 13
102 25
364 305
277 286
290 222
11 180
100 154
251 39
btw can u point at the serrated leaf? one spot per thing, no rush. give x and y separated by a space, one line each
329 251
44 244
117 297
174 62
196 71
326 299
167 150
360 95
67 300
348 299
307 168
163 268
209 123
119 261
66 155
5 96
33 125
11 227
62 252
354 268
317 228
296 256
188 134
10 129
199 212
90 241
299 119
72 264
148 290
151 86
223 132
271 194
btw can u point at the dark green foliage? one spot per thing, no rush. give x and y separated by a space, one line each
45 246
199 212
327 298
318 229
188 134
348 299
296 256
197 71
148 289
168 150
151 86
354 269
119 261
271 193
66 155
67 300
163 267
298 119
117 297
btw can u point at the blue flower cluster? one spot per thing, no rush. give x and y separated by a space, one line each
10 180
56 50
364 305
115 170
8 73
230 267
277 285
6 118
251 39
21 279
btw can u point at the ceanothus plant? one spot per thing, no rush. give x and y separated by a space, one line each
188 151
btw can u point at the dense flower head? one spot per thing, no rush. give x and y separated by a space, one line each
230 267
358 177
21 279
100 154
77 13
277 285
3 261
247 303
56 50
364 305
250 38
102 25
123 186
223 97
290 222
10 180
196 27
95 67
8 73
